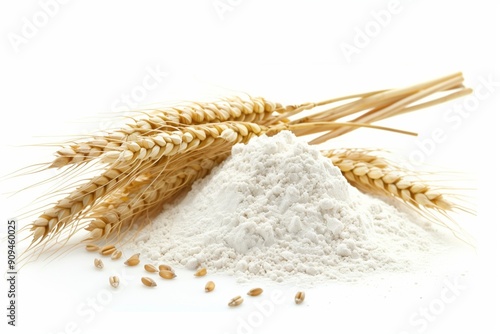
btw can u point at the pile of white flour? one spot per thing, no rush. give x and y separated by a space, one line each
276 208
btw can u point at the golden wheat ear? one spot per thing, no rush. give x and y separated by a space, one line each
161 128
372 172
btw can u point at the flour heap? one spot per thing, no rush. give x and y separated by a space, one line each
277 208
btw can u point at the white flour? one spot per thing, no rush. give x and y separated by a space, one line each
278 209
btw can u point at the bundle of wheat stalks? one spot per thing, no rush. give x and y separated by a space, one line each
159 154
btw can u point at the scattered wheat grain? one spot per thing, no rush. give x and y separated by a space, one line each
148 282
114 281
167 274
255 292
133 260
98 263
200 272
210 286
150 268
235 301
299 297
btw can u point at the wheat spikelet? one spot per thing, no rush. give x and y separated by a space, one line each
374 175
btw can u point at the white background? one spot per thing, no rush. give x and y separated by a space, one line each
69 70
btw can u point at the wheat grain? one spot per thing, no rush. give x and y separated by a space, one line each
92 248
255 292
108 250
210 286
150 268
200 272
116 255
98 263
114 281
165 267
299 297
147 281
133 260
235 301
167 274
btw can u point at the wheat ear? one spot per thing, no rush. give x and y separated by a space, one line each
145 197
152 127
375 175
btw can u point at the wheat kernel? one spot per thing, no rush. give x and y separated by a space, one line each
148 282
210 286
200 272
165 267
108 250
299 297
255 292
167 274
235 301
114 281
98 263
150 268
116 255
133 260
92 248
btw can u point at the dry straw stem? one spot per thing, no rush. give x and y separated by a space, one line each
383 104
159 156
